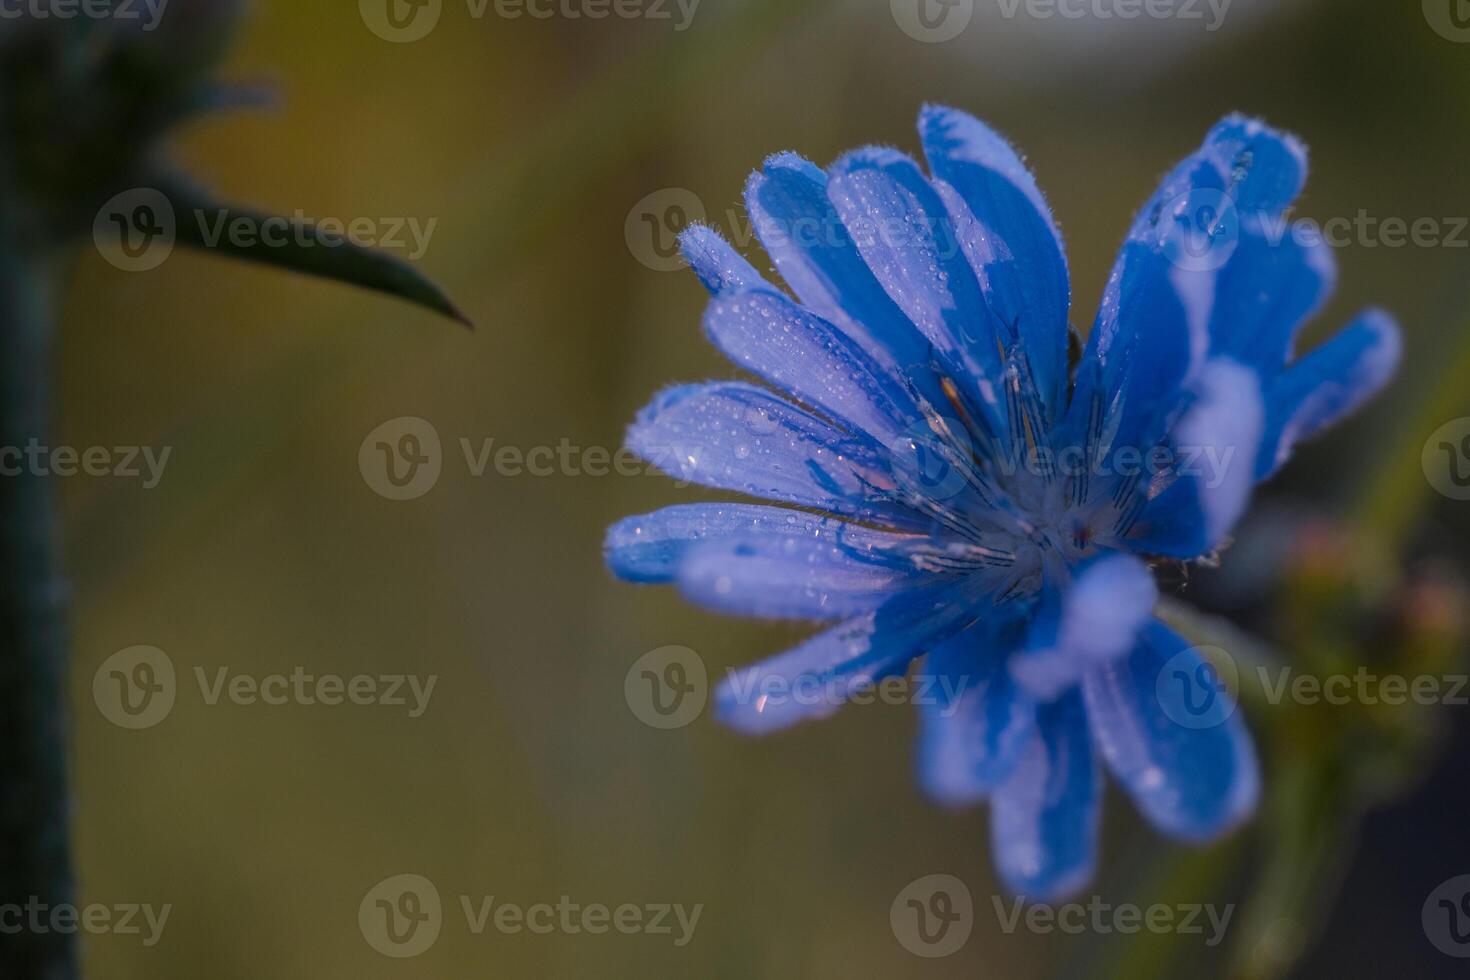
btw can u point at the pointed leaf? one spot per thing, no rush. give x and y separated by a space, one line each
306 249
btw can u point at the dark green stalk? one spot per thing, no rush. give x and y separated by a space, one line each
35 857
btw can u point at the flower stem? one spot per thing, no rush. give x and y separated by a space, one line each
35 858
1397 495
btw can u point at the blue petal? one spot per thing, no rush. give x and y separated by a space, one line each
1095 620
903 231
1155 326
1270 287
1327 385
715 261
649 549
814 252
1215 448
1009 234
815 679
1181 749
734 436
804 355
1261 170
975 722
1150 340
834 576
1044 818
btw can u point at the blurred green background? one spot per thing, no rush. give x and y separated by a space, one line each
528 777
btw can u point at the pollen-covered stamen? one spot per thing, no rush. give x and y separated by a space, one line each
956 449
923 503
991 483
1084 463
960 556
1030 424
959 493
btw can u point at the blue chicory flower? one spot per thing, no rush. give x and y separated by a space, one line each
955 475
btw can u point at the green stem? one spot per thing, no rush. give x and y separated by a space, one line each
35 858
1398 493
1185 877
1306 835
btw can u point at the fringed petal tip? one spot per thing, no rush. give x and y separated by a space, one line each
715 261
